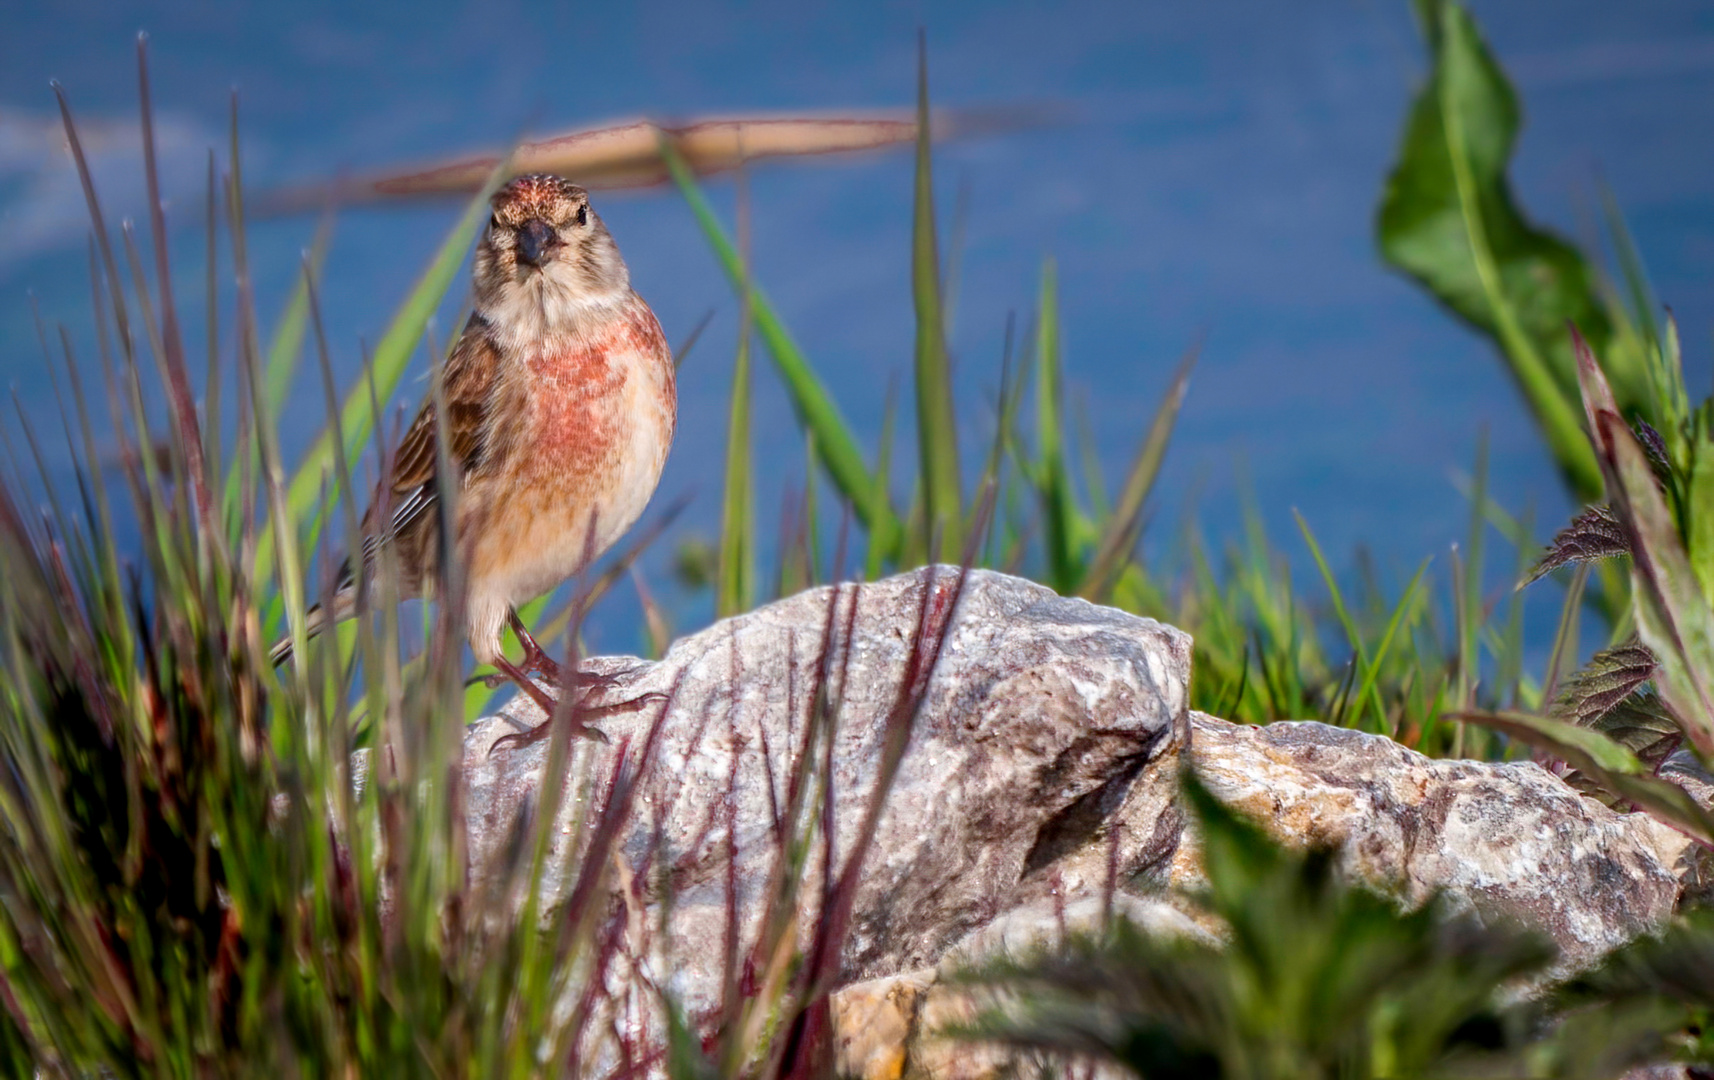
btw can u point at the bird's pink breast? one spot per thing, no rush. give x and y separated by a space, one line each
579 410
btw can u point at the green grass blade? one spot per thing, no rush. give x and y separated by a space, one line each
1470 623
937 427
1565 637
875 560
1340 610
1367 691
1053 474
735 558
286 347
1114 546
815 408
1638 293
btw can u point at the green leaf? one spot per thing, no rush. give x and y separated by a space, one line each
937 426
1314 977
1593 534
1448 220
1673 615
1610 676
1642 725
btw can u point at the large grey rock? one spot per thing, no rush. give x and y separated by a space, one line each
1038 704
1041 774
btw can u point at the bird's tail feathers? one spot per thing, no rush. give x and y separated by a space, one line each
315 621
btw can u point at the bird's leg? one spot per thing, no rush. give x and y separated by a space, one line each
582 685
579 714
536 658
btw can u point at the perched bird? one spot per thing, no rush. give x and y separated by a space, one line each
560 408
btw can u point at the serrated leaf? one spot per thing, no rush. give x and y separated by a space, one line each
1655 447
1642 725
1593 534
1611 676
1673 615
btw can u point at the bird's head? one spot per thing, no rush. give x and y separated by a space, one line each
546 258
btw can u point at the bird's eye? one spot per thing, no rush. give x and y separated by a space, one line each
583 215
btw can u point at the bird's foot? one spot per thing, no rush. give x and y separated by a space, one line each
586 686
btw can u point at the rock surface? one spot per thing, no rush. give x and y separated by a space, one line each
1037 706
1040 776
1509 839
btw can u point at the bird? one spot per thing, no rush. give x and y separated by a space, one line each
560 409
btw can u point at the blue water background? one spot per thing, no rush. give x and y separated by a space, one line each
1218 176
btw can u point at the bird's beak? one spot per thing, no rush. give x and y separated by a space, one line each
535 239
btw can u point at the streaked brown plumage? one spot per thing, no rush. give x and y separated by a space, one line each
560 409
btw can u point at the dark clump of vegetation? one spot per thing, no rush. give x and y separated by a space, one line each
199 878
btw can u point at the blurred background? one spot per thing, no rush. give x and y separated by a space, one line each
1215 176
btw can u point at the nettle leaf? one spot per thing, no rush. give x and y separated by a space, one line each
1611 676
1593 534
1654 448
1642 725
1611 706
1673 615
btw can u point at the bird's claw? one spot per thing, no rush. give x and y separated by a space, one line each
517 740
580 728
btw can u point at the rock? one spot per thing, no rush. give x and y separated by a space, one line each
891 1027
1040 778
1039 708
1510 840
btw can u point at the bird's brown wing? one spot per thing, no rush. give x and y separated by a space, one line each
412 490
